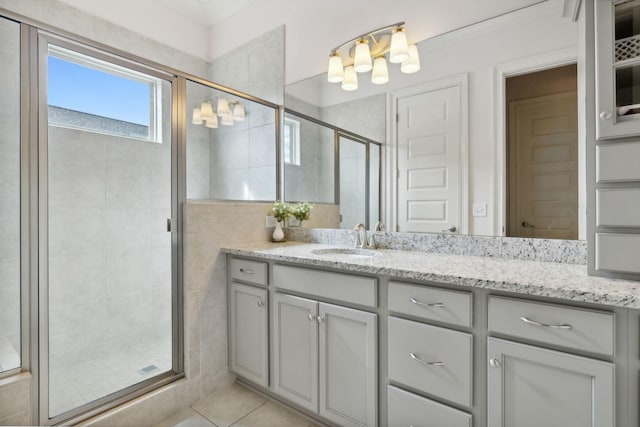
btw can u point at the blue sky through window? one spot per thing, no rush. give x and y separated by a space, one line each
85 89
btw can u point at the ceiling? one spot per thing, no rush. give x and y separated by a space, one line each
211 28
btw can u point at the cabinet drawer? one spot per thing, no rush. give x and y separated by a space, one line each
431 303
618 207
618 252
575 328
618 162
407 409
435 360
248 271
341 287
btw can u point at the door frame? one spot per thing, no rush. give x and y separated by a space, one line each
391 178
533 64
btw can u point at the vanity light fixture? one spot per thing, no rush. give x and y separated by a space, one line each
204 114
362 58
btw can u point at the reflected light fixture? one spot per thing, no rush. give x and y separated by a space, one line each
204 114
363 57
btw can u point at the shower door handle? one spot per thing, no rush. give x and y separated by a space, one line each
169 225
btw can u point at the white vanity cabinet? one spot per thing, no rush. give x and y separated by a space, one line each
529 385
249 320
325 355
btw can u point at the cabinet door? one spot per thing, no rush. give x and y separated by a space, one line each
295 349
248 328
531 387
348 365
618 64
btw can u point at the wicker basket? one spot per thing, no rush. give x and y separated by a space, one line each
627 48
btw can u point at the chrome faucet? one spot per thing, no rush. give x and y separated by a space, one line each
361 243
373 240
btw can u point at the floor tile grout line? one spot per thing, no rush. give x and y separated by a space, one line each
249 413
204 416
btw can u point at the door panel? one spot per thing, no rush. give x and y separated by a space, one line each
543 167
295 349
429 138
108 256
249 331
530 387
347 365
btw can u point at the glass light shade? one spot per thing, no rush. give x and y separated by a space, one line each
350 81
238 113
196 119
206 111
412 64
223 108
380 74
335 73
399 47
227 120
362 58
212 122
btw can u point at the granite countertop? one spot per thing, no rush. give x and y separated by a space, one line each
547 279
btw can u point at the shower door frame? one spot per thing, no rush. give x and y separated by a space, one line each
39 41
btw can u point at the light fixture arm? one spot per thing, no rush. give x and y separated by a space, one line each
369 34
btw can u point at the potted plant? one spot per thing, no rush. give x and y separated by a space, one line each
280 212
301 212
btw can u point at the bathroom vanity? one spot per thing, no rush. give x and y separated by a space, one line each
400 337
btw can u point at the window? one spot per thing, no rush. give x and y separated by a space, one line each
89 94
291 144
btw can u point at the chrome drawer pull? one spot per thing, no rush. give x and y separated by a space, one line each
246 271
260 303
418 359
312 317
424 304
534 323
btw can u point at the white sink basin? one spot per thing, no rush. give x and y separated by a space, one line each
351 253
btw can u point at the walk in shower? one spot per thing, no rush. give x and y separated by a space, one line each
108 259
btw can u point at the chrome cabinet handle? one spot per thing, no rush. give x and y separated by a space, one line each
312 317
419 359
451 229
425 304
260 303
546 325
320 319
527 224
246 271
494 363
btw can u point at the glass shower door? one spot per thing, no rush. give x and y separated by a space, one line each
109 260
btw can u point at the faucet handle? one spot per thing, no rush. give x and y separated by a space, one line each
379 226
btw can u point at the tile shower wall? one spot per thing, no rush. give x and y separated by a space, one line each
243 157
9 196
366 117
256 67
107 268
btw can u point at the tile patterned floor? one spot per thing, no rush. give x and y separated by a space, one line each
236 406
96 378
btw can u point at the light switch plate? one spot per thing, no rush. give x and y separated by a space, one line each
479 209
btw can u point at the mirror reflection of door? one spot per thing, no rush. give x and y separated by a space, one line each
429 161
542 146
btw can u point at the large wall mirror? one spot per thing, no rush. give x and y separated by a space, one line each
485 139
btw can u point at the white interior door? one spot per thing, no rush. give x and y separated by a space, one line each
429 148
543 167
